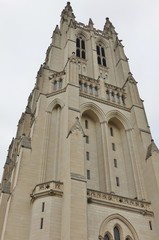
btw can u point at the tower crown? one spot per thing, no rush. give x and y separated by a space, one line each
67 14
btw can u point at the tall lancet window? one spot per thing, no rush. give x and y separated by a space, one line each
80 47
101 59
116 234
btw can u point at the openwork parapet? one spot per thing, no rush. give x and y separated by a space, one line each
121 202
52 188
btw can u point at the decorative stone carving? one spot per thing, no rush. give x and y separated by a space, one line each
25 142
76 127
151 149
131 78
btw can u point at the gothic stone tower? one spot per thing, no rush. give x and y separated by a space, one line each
82 165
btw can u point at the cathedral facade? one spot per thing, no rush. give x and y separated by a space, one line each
83 164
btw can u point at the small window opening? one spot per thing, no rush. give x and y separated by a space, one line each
88 174
117 181
150 224
41 223
87 139
115 163
113 146
87 155
111 132
43 206
86 124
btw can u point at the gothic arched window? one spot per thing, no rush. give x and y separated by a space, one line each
106 237
116 234
101 59
80 47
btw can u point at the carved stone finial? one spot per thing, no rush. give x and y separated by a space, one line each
151 149
109 29
131 78
67 13
90 24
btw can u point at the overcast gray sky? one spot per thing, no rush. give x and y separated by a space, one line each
26 27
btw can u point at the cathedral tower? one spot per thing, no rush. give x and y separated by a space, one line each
83 164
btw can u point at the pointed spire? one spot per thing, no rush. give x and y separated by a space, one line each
67 13
109 29
90 24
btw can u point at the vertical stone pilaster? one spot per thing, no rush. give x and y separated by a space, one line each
135 164
107 156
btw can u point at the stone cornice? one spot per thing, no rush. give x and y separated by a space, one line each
91 80
56 92
121 202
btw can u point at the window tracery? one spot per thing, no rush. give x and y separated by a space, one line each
80 47
101 59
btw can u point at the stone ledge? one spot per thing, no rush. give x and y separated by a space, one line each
78 177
